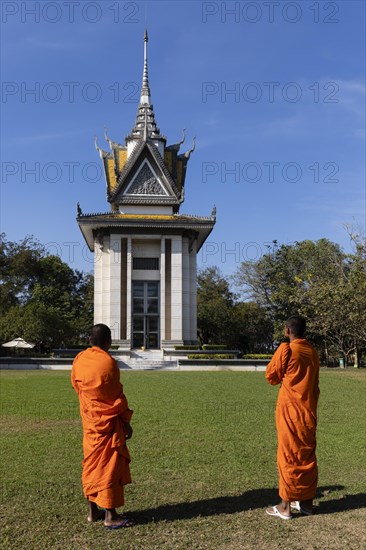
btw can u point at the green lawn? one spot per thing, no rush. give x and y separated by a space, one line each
203 464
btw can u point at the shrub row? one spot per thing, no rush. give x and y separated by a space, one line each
258 356
186 347
214 346
213 356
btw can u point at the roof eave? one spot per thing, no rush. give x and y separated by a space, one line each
202 226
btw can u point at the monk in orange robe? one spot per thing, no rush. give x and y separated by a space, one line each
106 419
296 367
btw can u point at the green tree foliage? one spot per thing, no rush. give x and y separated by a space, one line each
317 280
42 298
252 328
19 268
215 303
221 319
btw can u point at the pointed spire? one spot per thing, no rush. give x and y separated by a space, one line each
145 90
145 126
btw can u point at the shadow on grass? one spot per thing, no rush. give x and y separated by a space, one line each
348 502
250 500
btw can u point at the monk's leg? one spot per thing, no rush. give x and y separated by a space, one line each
111 516
94 513
283 507
113 519
307 505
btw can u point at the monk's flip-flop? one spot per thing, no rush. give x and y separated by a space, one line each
123 524
273 511
295 505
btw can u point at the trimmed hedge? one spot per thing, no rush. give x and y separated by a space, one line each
258 356
180 348
214 346
213 356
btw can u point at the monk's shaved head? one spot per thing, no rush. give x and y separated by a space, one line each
101 336
297 325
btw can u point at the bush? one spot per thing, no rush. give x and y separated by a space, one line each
186 347
214 346
258 356
213 356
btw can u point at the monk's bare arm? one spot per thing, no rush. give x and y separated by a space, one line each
73 381
123 409
276 369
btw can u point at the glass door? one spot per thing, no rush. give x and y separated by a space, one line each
145 314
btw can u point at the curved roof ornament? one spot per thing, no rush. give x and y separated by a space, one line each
183 137
213 213
176 146
112 144
103 154
188 153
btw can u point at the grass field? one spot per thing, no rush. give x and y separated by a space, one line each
203 464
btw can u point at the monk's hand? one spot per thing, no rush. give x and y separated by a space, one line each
128 430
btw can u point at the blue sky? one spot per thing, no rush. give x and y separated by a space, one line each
274 92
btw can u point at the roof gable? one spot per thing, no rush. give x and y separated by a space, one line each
145 177
146 182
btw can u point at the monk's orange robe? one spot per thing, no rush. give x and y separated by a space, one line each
296 365
104 410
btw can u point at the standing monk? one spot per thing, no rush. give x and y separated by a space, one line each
106 418
296 367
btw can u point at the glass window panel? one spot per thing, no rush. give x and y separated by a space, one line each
153 289
138 339
152 305
138 324
138 288
138 305
153 341
146 263
153 324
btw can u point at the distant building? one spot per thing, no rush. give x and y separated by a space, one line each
144 250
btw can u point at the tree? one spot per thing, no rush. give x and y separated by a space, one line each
19 267
340 309
43 299
223 320
215 303
252 328
317 280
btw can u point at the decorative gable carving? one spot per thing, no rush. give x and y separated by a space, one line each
145 183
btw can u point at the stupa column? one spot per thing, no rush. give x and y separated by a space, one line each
193 291
98 280
129 287
176 289
162 289
186 289
115 286
106 298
